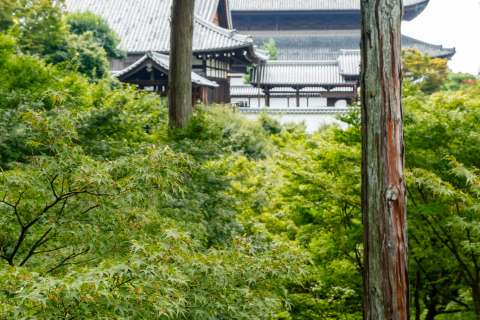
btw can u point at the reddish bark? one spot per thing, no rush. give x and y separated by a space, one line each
383 185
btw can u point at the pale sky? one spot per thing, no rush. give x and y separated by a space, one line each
452 23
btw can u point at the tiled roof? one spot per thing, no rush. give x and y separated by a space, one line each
144 25
162 61
245 90
303 5
349 62
311 73
206 9
437 51
299 73
328 44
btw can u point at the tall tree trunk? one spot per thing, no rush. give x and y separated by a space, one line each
180 76
432 304
476 298
418 283
431 313
383 185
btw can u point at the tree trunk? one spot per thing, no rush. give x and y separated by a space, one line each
432 313
418 283
432 304
383 185
476 298
180 76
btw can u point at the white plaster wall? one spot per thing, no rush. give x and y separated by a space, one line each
254 102
237 79
317 102
312 122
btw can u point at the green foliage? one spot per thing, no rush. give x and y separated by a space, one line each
271 47
443 189
87 57
456 81
104 214
7 9
85 22
42 31
423 71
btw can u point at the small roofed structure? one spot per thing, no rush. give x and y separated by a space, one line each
311 37
151 73
332 80
144 27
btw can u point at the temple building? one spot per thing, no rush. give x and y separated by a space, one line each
318 51
317 41
144 30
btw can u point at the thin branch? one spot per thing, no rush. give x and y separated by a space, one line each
62 209
118 285
65 261
411 197
41 241
463 304
472 253
450 246
14 206
52 186
90 209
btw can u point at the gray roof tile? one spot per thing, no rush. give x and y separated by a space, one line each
328 44
342 71
349 62
300 5
299 73
163 62
144 25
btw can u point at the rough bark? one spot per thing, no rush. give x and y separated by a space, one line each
383 185
180 76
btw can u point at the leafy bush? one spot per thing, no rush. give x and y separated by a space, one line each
85 22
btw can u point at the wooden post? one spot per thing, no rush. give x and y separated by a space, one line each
267 97
297 97
180 75
383 184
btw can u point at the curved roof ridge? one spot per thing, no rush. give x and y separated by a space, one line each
438 46
226 32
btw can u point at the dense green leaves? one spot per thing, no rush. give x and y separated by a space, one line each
86 22
42 31
105 214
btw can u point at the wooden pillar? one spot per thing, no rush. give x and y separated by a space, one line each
355 93
267 96
383 182
297 97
